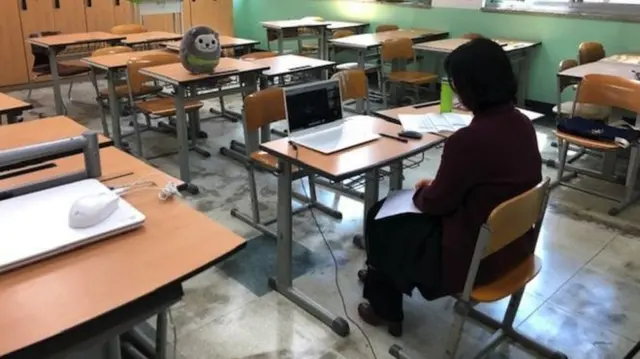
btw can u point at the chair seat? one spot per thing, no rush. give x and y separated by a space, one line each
584 110
123 91
165 106
354 65
587 142
412 77
65 69
510 283
268 161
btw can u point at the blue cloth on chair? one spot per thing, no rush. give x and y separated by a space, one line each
596 130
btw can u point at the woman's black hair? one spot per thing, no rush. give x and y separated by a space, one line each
481 75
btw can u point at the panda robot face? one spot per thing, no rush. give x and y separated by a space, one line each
206 43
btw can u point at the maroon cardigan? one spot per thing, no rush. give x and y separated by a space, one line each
492 160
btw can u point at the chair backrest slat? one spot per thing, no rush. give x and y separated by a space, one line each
135 79
611 91
353 84
128 29
397 49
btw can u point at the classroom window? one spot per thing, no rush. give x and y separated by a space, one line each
611 9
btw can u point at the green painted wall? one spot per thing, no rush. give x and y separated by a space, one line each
560 36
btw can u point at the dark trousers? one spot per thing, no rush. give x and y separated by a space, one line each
403 252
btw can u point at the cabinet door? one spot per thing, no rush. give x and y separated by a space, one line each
12 44
218 14
123 12
162 22
224 17
35 16
69 16
100 15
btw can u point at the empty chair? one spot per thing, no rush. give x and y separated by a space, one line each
128 29
472 36
611 91
261 109
353 86
386 27
584 110
157 105
41 66
590 52
506 223
312 47
399 52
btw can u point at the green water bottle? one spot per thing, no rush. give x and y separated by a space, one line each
446 96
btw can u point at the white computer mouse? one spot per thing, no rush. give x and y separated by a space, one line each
88 211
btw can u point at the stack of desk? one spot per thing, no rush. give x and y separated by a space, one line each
95 293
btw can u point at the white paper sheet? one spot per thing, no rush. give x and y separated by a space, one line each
417 123
398 202
458 120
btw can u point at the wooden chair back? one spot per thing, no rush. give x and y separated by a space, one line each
111 50
128 29
258 55
472 36
353 84
264 107
610 91
387 27
135 79
590 52
397 49
563 82
342 33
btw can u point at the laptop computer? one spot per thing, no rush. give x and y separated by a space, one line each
35 226
315 118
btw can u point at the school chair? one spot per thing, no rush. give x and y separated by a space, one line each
472 36
610 91
66 69
386 27
506 223
308 48
155 105
261 109
398 52
353 86
127 29
590 51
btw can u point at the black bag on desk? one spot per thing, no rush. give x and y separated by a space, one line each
597 130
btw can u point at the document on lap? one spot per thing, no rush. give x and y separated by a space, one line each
435 122
398 202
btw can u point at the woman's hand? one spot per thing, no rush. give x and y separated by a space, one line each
423 183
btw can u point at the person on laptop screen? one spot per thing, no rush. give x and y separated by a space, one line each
492 160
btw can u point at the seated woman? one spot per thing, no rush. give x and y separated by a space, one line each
492 160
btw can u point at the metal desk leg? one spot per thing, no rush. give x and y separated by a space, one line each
396 177
283 283
161 335
371 189
523 78
12 117
324 44
183 141
360 102
114 109
55 78
113 348
280 42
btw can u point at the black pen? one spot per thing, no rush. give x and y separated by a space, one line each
399 139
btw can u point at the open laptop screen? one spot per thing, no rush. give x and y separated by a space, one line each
312 105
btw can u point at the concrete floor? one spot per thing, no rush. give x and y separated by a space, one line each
584 302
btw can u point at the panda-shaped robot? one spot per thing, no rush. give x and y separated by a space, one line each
200 50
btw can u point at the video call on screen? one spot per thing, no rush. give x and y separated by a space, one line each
313 108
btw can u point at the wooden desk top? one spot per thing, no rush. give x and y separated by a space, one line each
392 114
448 45
46 298
226 42
293 24
602 67
356 160
176 74
339 25
42 130
116 61
365 41
150 36
75 39
631 59
10 104
288 64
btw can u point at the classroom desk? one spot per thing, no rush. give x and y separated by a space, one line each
364 43
520 53
149 37
367 158
12 108
226 42
278 67
290 29
70 300
112 64
54 44
187 87
357 27
628 58
624 70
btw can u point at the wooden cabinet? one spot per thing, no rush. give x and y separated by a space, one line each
12 46
123 12
69 16
35 16
162 22
100 14
218 14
